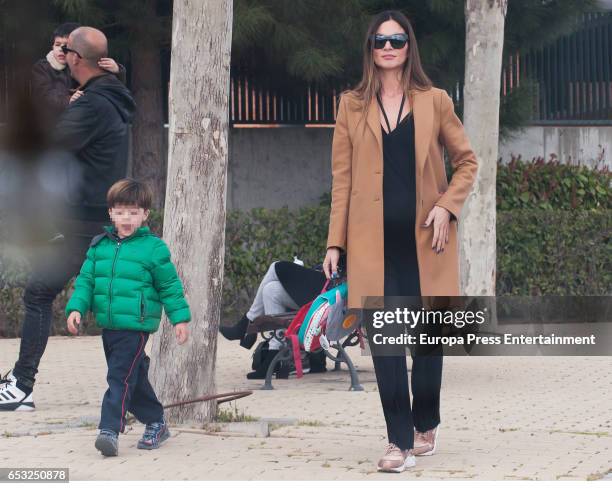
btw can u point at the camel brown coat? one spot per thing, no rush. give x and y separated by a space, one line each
356 217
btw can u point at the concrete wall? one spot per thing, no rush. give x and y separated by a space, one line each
276 167
590 145
292 165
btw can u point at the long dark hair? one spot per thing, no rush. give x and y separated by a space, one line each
413 75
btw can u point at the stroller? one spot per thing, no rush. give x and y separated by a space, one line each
302 332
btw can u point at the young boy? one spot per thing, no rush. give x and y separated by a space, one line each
125 280
52 84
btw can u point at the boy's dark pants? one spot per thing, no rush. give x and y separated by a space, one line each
128 383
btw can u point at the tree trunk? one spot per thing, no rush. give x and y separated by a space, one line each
194 218
148 162
484 22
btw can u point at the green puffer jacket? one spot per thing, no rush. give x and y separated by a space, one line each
126 282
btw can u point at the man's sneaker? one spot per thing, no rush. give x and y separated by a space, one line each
425 443
395 459
155 434
107 442
12 398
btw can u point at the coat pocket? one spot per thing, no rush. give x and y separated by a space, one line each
143 310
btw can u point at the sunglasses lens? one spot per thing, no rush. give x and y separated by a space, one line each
396 43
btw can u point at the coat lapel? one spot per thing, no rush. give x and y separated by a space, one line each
423 127
373 122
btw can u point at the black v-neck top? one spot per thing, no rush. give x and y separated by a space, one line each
399 191
399 210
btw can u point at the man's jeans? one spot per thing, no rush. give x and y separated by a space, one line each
53 265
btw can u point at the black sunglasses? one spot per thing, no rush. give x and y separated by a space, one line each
398 41
65 49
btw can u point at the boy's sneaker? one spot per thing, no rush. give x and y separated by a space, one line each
108 443
155 434
12 398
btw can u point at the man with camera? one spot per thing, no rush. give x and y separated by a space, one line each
93 132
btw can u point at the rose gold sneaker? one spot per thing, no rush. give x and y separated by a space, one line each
395 459
425 443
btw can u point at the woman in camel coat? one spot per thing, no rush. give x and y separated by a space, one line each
407 247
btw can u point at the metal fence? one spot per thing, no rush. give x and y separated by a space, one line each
253 104
572 78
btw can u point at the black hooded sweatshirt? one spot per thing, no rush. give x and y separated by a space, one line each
95 129
53 88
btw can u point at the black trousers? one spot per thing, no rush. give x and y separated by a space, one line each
129 388
52 265
402 416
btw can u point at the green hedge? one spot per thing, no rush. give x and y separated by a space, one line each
553 228
540 184
554 252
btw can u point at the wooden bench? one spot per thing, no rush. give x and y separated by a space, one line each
275 325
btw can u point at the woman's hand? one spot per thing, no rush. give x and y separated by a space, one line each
440 217
330 264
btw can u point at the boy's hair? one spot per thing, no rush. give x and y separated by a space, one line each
130 192
64 30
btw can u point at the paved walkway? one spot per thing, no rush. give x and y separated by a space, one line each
505 418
